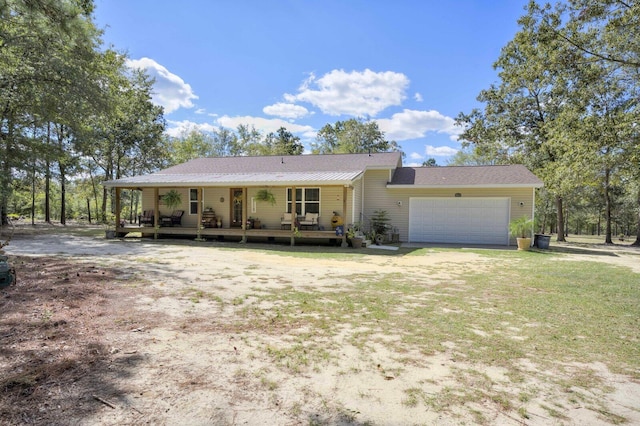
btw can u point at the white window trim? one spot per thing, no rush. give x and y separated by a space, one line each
193 201
303 201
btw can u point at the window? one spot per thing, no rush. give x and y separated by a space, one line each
307 200
193 201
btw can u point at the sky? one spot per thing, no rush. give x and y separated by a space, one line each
411 65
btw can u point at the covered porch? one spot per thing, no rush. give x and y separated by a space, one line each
236 212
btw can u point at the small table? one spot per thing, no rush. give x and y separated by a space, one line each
166 221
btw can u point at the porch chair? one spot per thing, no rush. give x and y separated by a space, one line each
310 220
174 219
285 222
146 217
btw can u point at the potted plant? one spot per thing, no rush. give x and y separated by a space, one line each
266 196
354 237
379 226
520 229
172 199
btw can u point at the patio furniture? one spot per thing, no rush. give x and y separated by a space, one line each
174 220
285 222
146 218
310 220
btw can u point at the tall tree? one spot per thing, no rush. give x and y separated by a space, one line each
45 49
519 110
283 142
126 138
190 145
352 136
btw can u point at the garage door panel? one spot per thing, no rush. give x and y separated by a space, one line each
459 220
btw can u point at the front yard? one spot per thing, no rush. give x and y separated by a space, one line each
178 332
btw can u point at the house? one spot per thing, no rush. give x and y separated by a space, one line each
470 204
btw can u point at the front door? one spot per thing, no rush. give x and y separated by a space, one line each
236 207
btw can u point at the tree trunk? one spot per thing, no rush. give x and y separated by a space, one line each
5 178
33 193
47 180
637 241
560 220
607 203
63 174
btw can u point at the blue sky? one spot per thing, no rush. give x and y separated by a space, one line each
410 65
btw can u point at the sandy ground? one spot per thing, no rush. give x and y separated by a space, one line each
143 351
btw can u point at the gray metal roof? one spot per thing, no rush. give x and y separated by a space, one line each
515 175
230 179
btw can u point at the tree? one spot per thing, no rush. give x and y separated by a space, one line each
352 136
46 50
190 145
283 143
431 162
567 100
471 156
517 113
125 139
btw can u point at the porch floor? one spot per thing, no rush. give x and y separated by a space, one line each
149 231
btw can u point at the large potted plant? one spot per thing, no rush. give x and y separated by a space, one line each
172 199
520 229
379 226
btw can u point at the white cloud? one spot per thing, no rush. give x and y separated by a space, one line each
412 124
201 111
170 91
416 156
353 93
286 110
265 125
179 128
439 151
418 97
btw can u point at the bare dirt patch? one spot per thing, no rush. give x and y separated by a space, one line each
131 332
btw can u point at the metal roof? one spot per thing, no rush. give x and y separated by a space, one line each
230 179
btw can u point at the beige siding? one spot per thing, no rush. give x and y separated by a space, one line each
378 197
218 199
365 196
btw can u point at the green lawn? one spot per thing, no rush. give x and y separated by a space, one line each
535 306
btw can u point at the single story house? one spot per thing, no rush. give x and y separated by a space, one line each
453 204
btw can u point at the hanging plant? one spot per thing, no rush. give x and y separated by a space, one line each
172 199
265 195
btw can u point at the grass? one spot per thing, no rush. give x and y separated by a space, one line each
558 314
528 306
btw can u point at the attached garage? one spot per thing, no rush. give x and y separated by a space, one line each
457 204
459 220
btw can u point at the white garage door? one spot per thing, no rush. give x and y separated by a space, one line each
459 220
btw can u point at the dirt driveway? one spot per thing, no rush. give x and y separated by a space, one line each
175 332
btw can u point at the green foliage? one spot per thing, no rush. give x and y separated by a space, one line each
172 199
352 136
283 143
521 227
567 101
70 108
380 222
266 196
